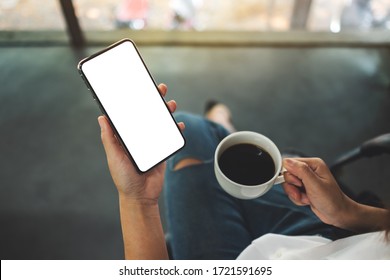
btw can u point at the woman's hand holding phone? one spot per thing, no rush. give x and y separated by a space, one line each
138 133
143 188
143 236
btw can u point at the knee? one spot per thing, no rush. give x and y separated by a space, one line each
186 162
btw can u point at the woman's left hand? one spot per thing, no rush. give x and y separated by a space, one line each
143 188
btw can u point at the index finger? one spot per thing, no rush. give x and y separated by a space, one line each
316 164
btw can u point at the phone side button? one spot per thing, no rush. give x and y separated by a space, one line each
92 94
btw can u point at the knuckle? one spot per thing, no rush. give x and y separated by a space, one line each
319 160
303 167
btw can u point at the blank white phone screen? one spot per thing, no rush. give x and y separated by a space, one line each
131 100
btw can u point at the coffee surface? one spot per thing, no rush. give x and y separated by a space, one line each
247 164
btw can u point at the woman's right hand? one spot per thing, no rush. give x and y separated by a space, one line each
308 181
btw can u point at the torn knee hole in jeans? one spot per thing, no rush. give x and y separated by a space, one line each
186 162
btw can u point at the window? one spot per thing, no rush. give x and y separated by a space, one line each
18 15
251 15
200 15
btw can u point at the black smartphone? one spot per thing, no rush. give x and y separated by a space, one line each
127 94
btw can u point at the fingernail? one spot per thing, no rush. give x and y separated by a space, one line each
292 197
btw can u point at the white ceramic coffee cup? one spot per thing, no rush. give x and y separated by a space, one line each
244 191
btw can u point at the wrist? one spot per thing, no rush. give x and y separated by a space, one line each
347 217
362 218
139 208
139 202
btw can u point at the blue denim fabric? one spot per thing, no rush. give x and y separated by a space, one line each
204 222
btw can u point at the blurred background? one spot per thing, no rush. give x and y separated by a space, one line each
313 75
259 15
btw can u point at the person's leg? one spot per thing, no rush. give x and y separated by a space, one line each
203 221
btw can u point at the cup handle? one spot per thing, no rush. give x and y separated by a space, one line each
280 178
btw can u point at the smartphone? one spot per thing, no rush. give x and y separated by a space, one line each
127 94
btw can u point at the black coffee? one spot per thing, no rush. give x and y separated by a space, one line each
247 164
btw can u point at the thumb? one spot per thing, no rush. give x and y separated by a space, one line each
110 143
301 170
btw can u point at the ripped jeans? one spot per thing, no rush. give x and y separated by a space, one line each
204 222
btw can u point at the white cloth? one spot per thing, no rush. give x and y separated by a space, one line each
369 246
